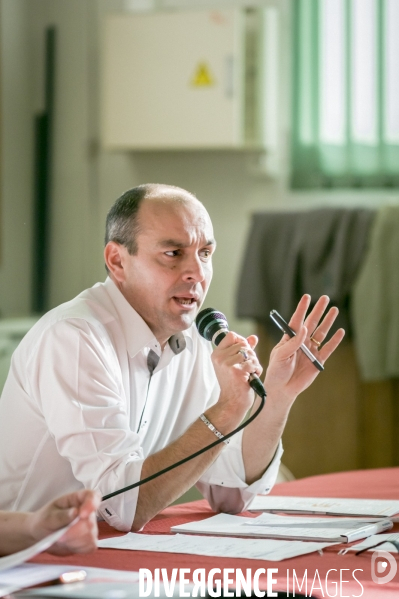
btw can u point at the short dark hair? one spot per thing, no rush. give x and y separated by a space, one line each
122 223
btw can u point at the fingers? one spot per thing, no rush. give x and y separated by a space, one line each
315 315
83 502
72 500
313 318
286 349
232 339
331 345
80 538
321 331
65 509
252 341
298 317
238 351
317 326
244 357
90 502
56 518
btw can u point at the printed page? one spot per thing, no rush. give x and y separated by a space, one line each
261 549
323 505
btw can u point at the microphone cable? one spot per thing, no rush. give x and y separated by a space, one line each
193 455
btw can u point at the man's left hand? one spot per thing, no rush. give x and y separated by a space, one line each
290 371
79 538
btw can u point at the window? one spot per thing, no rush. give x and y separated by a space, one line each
345 93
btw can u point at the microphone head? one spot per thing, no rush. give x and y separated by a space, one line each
210 321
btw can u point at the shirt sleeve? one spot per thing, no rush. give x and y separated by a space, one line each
223 484
78 387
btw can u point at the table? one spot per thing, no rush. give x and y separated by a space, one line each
371 484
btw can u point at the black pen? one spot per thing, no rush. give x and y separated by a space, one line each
284 326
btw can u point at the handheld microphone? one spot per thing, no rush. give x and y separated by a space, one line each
213 326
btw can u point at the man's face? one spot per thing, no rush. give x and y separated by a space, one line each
167 279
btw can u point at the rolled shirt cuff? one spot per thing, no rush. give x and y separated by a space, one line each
234 496
119 511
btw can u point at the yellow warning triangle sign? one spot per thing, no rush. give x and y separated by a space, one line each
202 76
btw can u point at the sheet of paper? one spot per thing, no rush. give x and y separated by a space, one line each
309 523
324 505
103 590
374 539
26 575
271 525
9 561
260 549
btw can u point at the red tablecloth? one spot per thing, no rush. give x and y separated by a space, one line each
373 484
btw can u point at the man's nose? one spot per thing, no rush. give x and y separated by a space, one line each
194 270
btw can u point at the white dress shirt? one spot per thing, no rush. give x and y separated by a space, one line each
80 409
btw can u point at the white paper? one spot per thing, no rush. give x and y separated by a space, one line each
270 525
307 523
101 590
260 549
26 575
374 539
324 505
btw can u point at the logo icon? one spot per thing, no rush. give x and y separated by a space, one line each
383 563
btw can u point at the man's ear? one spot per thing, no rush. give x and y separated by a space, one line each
113 256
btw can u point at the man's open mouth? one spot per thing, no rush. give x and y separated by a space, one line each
185 301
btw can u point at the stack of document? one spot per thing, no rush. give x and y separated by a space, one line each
333 530
374 508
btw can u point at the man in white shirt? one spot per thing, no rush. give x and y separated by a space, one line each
108 388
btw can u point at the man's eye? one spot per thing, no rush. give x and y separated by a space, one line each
205 253
172 253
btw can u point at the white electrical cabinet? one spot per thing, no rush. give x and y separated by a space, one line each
190 80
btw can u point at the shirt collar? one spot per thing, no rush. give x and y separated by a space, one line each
138 334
